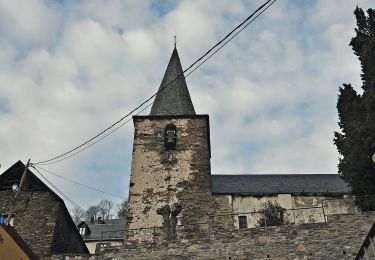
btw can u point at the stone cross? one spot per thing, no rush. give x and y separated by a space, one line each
170 220
175 40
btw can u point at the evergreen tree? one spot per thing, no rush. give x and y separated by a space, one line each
356 141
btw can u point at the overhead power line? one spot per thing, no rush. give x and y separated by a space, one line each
67 198
225 40
93 143
62 194
228 35
75 182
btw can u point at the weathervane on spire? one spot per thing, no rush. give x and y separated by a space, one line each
175 40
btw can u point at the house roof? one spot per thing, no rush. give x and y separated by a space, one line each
173 96
13 176
112 229
254 184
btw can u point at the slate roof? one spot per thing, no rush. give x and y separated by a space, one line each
174 99
13 175
115 226
255 184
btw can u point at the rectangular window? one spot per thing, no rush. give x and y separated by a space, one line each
82 231
242 221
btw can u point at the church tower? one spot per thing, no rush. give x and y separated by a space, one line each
170 183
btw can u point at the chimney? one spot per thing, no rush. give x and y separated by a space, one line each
100 221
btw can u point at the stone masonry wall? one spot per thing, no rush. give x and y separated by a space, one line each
42 223
35 218
340 239
163 177
223 218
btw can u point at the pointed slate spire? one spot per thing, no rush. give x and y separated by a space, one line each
174 99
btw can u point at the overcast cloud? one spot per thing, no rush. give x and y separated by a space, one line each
69 69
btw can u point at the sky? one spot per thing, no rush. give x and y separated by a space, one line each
69 69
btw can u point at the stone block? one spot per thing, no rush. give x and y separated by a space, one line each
261 240
300 248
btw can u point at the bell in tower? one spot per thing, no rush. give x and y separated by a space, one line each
170 137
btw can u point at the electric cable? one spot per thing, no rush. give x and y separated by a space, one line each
91 144
225 43
69 199
65 196
227 36
72 181
143 103
46 162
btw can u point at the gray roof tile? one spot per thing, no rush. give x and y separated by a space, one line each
284 183
174 99
112 229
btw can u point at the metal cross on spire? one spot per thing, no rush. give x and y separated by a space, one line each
175 40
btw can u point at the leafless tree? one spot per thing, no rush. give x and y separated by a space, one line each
92 212
122 209
77 214
105 207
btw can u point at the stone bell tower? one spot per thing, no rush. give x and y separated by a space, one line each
170 184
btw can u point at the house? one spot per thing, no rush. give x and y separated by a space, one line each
40 216
305 197
12 245
102 233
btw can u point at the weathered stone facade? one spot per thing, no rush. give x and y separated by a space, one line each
40 216
163 180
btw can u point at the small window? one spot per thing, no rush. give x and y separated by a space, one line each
82 230
242 221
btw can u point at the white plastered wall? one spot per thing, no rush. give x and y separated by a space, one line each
299 208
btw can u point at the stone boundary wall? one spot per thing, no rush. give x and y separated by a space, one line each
340 238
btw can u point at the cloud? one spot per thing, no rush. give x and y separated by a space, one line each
27 23
140 45
69 69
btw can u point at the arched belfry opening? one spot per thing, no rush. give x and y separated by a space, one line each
170 137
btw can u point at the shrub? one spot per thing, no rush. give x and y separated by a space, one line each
272 214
